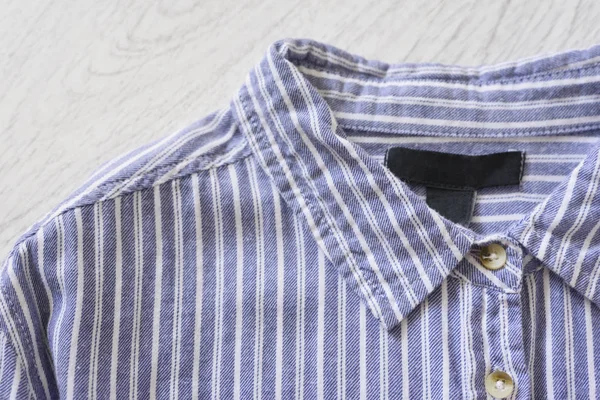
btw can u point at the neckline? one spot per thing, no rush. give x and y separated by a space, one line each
386 241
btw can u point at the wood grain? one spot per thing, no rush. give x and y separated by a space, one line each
85 81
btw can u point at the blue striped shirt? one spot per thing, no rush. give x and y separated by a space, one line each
266 251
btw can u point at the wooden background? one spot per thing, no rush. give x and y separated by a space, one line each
84 81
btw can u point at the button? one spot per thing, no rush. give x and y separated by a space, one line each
499 384
493 256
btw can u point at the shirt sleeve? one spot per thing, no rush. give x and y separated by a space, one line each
14 383
25 365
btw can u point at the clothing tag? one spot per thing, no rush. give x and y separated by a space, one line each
452 179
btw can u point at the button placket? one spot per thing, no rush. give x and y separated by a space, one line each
495 263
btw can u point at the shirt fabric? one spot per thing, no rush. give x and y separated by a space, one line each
267 252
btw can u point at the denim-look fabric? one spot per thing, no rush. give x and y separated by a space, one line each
267 252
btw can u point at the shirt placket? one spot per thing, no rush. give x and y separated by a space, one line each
497 266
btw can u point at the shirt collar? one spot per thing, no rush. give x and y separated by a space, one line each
388 245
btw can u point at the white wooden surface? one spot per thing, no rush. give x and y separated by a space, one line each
84 81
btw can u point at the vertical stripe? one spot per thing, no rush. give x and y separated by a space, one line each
157 292
363 352
280 291
117 304
589 340
177 290
445 332
426 366
78 305
341 339
549 350
42 269
532 297
260 260
99 275
239 285
569 350
405 363
16 381
320 327
137 296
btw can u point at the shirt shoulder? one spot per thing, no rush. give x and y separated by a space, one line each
212 141
25 292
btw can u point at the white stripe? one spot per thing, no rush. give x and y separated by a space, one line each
157 293
239 281
383 363
560 213
481 219
462 104
445 335
569 348
14 390
451 123
590 291
79 303
117 305
99 286
219 286
60 278
532 297
3 346
341 339
548 346
300 309
432 83
320 324
136 296
405 363
280 299
425 348
484 332
362 379
259 288
510 197
589 336
543 178
373 139
505 346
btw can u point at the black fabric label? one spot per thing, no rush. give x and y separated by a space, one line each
451 179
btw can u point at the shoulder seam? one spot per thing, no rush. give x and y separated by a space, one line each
145 186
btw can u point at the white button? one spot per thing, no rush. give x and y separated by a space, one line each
499 384
493 256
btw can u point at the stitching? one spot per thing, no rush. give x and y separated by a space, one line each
142 184
475 82
367 274
452 132
152 174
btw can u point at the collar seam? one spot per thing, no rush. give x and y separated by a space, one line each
447 131
324 227
477 82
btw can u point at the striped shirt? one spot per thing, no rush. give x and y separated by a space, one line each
266 251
